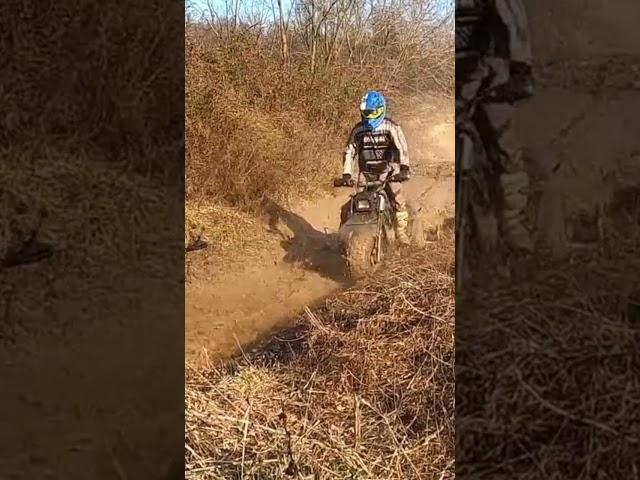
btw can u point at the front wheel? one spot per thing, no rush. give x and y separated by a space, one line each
361 256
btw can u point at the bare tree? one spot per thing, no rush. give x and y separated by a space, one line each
402 38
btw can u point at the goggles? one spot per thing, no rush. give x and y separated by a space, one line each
372 114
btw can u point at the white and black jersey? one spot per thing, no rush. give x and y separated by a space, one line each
374 150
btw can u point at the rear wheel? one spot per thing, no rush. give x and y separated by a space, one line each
360 256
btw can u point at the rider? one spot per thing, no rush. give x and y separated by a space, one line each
493 52
379 146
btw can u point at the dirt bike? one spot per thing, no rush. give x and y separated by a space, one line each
476 227
367 234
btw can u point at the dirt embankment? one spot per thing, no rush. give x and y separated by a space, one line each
298 263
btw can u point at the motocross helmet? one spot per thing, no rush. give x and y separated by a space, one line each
373 109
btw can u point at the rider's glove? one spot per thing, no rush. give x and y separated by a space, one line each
405 173
344 181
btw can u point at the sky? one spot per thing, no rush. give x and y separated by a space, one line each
219 5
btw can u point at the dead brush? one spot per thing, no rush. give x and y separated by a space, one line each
220 229
104 104
250 131
361 388
256 128
546 372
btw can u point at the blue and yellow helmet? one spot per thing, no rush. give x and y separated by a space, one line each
373 109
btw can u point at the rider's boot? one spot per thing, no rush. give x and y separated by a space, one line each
402 225
517 236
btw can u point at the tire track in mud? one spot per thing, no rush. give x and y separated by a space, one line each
259 296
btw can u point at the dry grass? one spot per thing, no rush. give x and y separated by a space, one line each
254 131
93 215
121 103
220 227
546 371
96 143
223 229
361 388
109 231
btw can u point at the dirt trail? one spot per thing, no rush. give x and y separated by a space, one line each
246 304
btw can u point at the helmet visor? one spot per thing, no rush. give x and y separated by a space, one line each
372 114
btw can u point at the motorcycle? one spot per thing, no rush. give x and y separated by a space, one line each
367 234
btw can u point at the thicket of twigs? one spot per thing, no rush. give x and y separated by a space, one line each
547 371
271 94
361 388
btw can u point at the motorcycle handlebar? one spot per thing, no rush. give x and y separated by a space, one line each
373 183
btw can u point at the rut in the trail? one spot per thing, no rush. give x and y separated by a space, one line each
249 302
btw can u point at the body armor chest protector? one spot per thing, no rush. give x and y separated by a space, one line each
376 151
